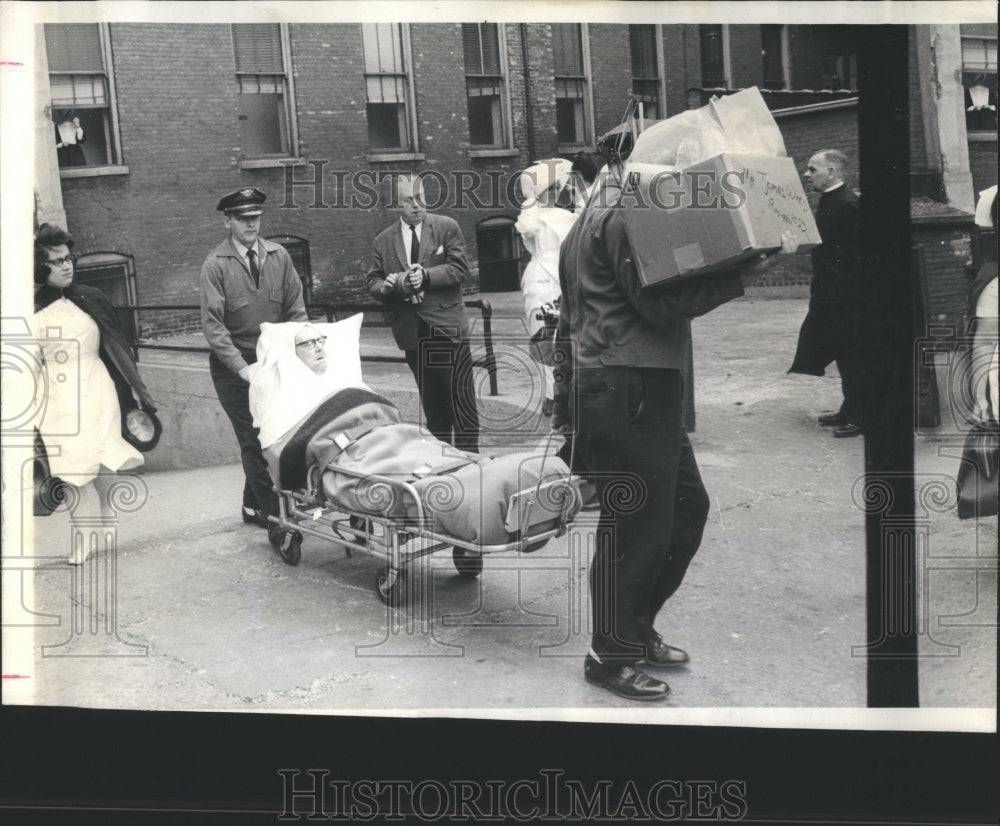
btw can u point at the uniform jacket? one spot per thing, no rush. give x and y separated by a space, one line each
442 254
232 309
836 294
611 319
115 351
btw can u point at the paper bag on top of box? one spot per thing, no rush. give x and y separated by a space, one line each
711 190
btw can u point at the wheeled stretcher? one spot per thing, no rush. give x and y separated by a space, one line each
353 474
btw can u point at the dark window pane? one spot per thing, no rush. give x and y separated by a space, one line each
386 125
773 57
484 120
713 70
569 120
642 42
567 49
263 130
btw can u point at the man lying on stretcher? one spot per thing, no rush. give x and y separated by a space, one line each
318 419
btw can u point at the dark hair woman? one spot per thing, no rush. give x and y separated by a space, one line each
88 376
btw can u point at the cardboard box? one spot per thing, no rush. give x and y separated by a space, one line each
713 214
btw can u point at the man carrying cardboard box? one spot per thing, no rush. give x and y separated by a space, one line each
619 391
832 328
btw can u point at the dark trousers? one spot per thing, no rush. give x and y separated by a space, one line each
442 367
653 504
234 396
852 368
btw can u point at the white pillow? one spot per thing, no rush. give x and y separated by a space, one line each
343 349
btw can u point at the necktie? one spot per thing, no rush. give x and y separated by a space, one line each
254 272
414 246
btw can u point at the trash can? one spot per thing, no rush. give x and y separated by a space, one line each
499 255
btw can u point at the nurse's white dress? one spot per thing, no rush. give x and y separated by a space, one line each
81 420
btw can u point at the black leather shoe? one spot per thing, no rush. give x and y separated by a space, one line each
254 516
660 654
832 420
848 430
625 681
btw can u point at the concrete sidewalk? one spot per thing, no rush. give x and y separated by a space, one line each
772 610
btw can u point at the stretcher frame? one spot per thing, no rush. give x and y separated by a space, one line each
400 541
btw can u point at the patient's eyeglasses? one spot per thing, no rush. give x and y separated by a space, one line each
59 262
312 343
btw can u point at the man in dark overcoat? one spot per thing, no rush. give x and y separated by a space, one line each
832 331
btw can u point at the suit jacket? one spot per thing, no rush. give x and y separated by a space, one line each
442 254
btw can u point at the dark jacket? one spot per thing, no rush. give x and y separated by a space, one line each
607 314
232 308
442 254
114 351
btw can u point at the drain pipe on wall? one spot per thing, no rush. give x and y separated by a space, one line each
529 121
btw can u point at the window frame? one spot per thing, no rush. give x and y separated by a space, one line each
506 128
412 150
588 94
116 164
659 68
291 109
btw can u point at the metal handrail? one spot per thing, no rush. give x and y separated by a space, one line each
331 310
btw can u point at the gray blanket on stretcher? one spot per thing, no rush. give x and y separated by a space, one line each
463 495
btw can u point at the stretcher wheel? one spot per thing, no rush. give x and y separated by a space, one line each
468 565
288 544
390 594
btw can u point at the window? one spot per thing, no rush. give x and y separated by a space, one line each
114 275
298 250
484 83
979 78
387 85
839 71
646 69
713 56
81 85
572 91
773 54
263 96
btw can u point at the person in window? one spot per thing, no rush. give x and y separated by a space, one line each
418 269
69 136
246 281
88 376
543 225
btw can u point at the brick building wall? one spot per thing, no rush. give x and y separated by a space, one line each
983 163
611 70
177 113
943 249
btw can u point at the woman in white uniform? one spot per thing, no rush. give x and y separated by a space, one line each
543 225
87 374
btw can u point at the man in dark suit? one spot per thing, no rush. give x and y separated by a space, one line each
832 328
418 270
